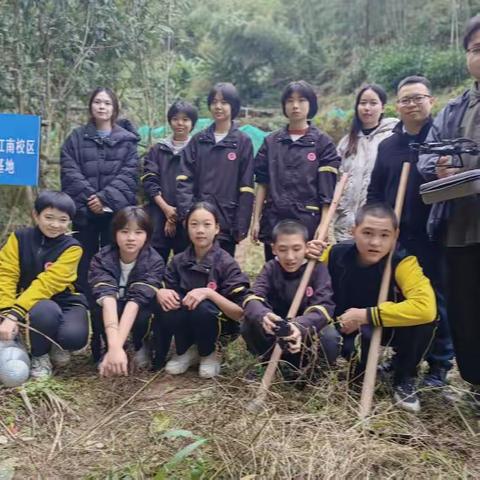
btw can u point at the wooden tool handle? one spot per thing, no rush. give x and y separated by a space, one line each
368 386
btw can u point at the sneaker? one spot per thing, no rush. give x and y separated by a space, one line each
59 357
209 366
435 378
41 367
181 363
141 358
406 397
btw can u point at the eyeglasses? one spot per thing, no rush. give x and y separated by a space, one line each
475 50
416 99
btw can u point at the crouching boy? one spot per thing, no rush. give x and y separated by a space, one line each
38 271
311 335
409 315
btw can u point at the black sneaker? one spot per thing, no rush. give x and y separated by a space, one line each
405 395
435 378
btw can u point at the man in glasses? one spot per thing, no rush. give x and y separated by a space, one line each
459 226
414 104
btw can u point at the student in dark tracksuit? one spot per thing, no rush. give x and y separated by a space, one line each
159 181
124 278
312 336
202 298
217 167
295 169
99 169
392 153
38 272
407 317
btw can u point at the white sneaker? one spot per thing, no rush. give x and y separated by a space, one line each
181 363
141 358
59 357
41 367
209 366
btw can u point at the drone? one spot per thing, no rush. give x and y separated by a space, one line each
454 148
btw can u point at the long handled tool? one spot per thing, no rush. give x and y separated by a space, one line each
320 234
374 350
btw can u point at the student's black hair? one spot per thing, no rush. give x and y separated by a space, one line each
131 214
356 122
289 227
471 28
305 90
377 210
229 94
183 107
113 98
414 79
203 206
53 199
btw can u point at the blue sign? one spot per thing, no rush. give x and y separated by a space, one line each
19 149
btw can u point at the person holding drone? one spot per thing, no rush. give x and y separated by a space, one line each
457 222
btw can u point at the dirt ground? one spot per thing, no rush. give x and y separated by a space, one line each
155 426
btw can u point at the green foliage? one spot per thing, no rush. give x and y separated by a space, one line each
387 66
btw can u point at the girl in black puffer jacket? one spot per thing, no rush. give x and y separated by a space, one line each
99 170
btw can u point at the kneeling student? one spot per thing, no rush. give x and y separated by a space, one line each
273 293
38 270
124 278
409 315
202 298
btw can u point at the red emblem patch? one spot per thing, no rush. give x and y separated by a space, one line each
311 157
212 285
232 156
47 265
309 291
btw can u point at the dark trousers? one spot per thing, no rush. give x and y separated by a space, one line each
93 236
228 245
202 327
431 257
176 244
68 327
463 300
409 343
140 329
267 250
261 344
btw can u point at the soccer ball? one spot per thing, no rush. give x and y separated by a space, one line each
14 353
14 373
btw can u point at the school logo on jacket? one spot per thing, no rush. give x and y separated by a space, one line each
232 156
212 285
311 156
309 291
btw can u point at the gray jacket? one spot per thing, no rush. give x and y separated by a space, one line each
445 126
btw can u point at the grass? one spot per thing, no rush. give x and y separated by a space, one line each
153 426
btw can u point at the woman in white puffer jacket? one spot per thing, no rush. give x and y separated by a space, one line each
358 151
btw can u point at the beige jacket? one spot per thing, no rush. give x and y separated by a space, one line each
359 167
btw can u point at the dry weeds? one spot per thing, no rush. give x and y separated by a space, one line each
77 426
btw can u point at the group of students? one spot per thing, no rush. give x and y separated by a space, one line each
200 199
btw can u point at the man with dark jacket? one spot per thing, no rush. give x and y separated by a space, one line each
460 232
414 105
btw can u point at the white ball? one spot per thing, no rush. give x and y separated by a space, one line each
13 373
13 353
7 343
